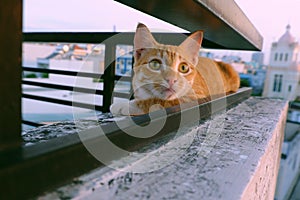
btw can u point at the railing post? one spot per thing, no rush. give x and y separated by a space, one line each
109 75
10 76
132 74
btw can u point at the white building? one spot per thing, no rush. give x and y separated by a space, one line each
282 80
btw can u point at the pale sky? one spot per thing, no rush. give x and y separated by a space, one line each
270 17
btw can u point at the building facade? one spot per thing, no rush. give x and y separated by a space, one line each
258 57
282 80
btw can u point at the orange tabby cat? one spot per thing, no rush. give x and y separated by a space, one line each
167 75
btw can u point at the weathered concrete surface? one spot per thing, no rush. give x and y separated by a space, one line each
63 128
235 155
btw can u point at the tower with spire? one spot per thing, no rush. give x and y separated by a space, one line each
282 80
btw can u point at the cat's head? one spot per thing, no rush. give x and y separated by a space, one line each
164 71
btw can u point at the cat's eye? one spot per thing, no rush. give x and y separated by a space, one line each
155 64
183 68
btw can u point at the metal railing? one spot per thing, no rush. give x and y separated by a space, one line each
109 76
106 104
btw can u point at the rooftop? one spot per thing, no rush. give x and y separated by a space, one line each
287 37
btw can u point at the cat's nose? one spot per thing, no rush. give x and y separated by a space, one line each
171 81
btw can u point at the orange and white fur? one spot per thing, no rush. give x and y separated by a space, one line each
167 75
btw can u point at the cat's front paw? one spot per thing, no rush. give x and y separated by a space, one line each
155 107
125 108
119 109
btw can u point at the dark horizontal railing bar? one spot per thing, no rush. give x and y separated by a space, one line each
294 105
74 73
90 91
63 102
291 121
114 38
25 167
72 37
63 87
123 78
121 95
62 72
30 123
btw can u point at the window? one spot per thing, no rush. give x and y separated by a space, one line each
290 88
277 83
276 56
280 83
280 57
286 57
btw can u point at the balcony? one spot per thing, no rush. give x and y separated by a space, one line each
231 150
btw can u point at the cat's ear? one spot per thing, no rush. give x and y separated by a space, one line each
143 40
191 46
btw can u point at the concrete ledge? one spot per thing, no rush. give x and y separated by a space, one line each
234 155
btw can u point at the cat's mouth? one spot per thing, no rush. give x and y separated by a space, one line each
169 93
